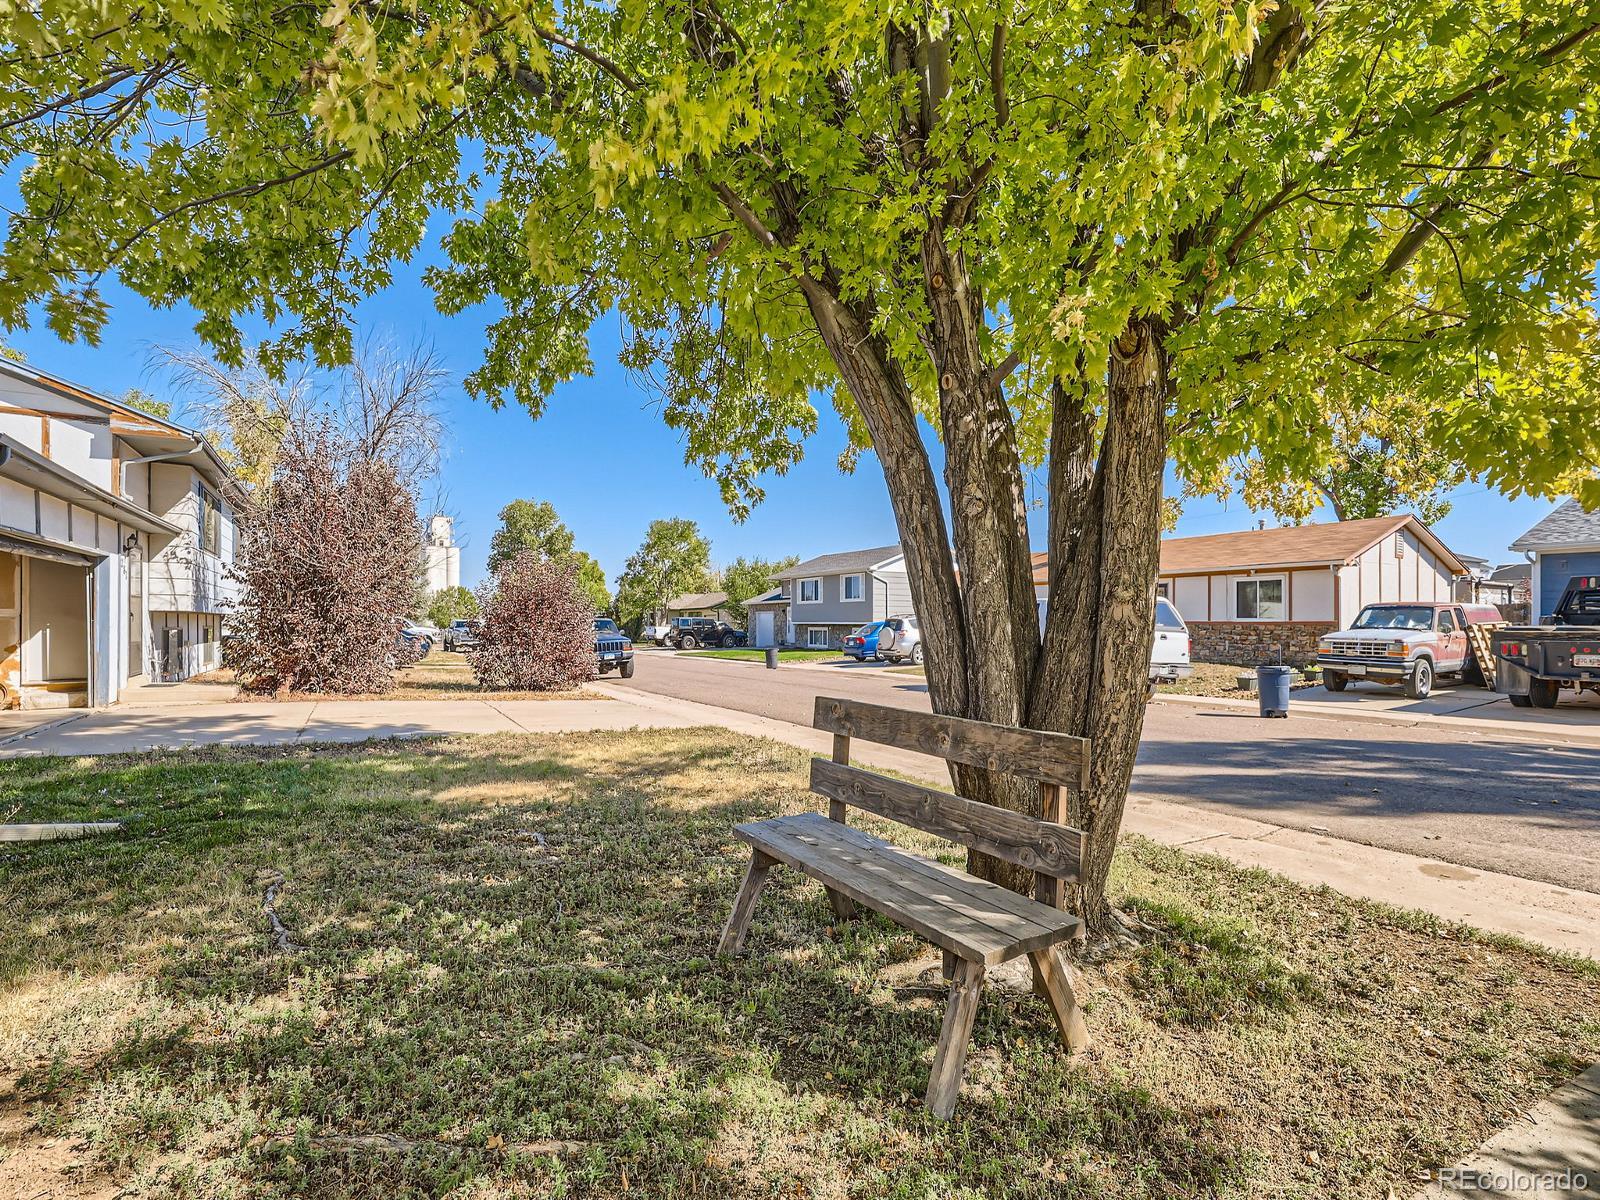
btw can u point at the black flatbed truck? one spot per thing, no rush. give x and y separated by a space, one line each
1534 662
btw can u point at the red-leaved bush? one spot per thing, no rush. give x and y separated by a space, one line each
328 559
538 628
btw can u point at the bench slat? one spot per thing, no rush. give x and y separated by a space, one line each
943 906
1030 753
1043 846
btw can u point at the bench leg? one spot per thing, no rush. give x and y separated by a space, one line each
944 1084
949 964
1054 977
744 904
843 907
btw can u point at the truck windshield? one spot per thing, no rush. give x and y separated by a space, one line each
606 625
1167 619
1395 616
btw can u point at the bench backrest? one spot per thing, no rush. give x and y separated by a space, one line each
1048 847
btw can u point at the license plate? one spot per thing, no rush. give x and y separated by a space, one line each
608 656
1354 669
1586 660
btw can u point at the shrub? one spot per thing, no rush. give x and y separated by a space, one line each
537 628
327 559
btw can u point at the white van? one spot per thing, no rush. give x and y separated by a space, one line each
1169 652
1169 649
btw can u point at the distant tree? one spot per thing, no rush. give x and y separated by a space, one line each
592 579
529 525
452 604
673 558
537 629
1380 460
145 402
746 578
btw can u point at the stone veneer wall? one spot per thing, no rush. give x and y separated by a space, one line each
1251 643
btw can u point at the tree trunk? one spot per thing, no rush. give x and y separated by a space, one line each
1105 546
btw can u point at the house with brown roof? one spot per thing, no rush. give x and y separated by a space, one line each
1246 594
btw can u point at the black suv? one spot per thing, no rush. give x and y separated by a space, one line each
686 633
612 648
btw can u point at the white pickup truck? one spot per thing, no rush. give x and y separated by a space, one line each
1169 651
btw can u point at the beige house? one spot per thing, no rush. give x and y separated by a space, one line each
117 530
1246 594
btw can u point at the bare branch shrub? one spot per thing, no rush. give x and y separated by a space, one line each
328 559
538 628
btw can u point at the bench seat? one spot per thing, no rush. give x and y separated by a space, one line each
971 918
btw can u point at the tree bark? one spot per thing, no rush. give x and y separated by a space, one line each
1105 542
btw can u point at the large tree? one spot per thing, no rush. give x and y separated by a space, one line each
533 525
1114 233
746 578
673 558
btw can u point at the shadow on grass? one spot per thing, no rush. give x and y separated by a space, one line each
507 943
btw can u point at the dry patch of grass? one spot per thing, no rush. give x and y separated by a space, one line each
1220 679
505 987
443 675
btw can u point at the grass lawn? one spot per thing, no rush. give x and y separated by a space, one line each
755 655
1219 679
442 675
502 984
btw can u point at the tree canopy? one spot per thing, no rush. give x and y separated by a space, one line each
451 604
673 558
529 525
746 578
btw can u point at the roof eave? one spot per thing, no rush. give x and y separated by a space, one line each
37 471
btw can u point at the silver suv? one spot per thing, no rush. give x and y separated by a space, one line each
900 640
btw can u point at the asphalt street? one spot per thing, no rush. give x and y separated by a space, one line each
1477 799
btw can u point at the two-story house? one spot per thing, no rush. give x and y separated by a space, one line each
820 600
117 531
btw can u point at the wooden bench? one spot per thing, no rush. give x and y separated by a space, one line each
977 924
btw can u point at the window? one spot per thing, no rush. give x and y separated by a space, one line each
817 637
1167 618
1164 590
1447 623
853 587
810 592
1258 599
210 524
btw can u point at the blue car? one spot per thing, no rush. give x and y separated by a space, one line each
862 644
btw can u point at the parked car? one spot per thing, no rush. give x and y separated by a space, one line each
862 644
613 650
1411 644
900 640
655 633
412 641
461 635
1536 661
1169 650
688 633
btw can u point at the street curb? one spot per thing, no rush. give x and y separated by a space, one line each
1329 712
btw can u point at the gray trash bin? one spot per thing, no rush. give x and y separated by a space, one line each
1272 686
772 658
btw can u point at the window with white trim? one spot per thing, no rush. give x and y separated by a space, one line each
817 637
209 525
1258 599
852 587
809 592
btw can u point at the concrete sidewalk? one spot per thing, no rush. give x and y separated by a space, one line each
123 730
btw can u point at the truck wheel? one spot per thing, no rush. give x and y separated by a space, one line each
1543 693
687 642
1335 681
1420 682
1473 674
729 641
626 670
916 655
1521 702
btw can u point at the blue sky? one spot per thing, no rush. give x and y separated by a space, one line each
602 456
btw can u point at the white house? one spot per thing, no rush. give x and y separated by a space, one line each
117 529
